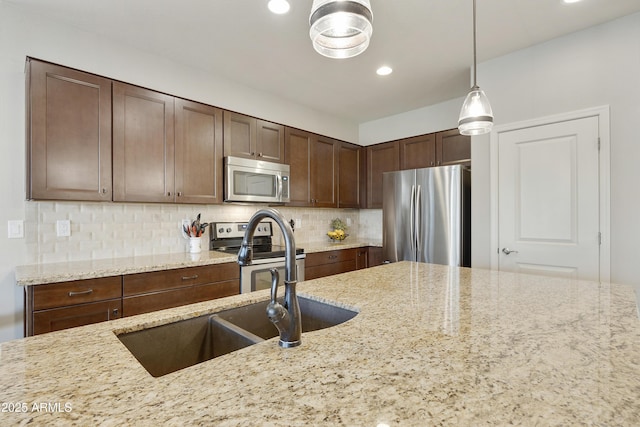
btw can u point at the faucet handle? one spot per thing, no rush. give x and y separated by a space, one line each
275 278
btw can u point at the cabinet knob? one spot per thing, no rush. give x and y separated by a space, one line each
253 153
169 193
104 191
115 312
259 154
179 193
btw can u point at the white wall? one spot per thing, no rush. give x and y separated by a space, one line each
424 120
24 35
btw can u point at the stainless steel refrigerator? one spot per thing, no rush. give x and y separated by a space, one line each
426 215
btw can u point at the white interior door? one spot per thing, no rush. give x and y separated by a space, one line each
548 200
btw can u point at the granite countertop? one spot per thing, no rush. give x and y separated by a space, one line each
431 345
37 274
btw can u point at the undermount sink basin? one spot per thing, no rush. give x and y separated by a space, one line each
174 346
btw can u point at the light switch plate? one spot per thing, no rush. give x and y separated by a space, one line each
15 229
63 228
298 223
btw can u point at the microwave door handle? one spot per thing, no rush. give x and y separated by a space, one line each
279 187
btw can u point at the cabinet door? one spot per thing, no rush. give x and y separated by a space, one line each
362 261
68 134
297 156
239 135
324 185
269 141
380 158
376 256
453 148
198 157
418 152
350 170
69 317
143 145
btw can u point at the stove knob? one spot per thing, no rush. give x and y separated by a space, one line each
228 230
259 229
220 230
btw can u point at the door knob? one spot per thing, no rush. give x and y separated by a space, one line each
508 251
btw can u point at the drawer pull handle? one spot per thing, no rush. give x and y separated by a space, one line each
195 276
74 293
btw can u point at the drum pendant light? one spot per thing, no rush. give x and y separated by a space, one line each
340 28
476 116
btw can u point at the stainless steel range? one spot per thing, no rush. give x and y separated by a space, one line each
227 237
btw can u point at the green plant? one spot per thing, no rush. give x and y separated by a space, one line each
337 224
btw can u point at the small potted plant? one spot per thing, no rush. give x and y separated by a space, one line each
339 230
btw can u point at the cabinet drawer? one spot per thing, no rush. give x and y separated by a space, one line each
64 294
68 317
142 283
317 271
328 257
146 303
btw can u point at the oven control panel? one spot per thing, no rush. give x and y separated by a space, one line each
225 230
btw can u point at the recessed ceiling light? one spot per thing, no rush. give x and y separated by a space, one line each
278 6
384 70
571 1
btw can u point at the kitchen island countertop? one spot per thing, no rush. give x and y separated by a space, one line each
431 345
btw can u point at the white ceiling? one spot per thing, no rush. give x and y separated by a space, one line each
428 43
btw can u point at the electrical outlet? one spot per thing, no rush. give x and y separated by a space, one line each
63 228
349 222
15 229
298 223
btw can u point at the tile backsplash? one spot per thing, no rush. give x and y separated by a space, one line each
106 230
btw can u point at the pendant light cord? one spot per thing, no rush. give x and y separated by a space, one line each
475 76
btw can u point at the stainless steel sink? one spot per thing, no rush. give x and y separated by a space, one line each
174 346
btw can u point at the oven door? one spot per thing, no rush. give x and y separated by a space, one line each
257 276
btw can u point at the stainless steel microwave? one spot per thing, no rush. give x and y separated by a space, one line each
255 181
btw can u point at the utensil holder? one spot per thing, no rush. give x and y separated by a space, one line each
195 245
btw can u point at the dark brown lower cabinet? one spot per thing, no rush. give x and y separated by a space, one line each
158 290
321 264
57 319
376 256
55 306
170 298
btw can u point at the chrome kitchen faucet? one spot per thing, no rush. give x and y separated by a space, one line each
285 317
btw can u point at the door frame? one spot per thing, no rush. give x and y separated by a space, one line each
602 113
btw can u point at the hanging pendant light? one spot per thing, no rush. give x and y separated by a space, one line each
340 28
476 116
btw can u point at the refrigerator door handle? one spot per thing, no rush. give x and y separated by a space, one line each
412 222
418 226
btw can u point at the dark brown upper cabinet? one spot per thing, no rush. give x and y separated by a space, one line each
453 148
418 152
252 138
198 155
380 158
143 145
324 172
351 177
313 163
68 134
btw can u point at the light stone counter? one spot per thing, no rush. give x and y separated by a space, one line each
311 247
38 274
431 345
